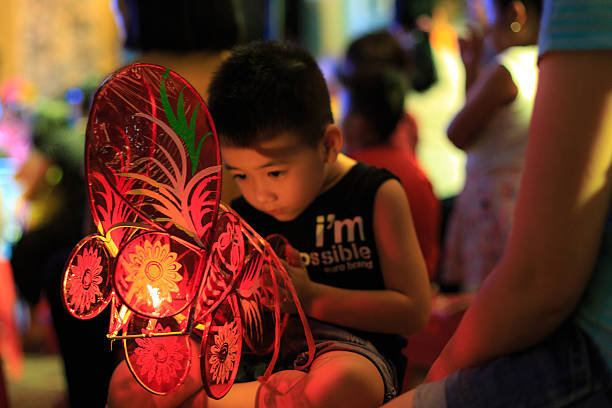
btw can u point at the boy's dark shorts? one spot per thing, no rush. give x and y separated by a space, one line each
294 351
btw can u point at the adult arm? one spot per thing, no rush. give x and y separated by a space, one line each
559 216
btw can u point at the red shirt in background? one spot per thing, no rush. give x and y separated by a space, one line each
424 204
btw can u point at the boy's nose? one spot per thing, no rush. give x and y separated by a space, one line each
264 195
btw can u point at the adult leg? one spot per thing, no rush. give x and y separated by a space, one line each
566 370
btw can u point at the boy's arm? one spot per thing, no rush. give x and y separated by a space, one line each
404 306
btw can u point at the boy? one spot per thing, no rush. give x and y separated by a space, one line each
364 280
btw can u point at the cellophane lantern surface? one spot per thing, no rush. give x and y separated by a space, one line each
168 258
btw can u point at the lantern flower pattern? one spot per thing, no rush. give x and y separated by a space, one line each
168 257
160 358
153 271
85 288
223 352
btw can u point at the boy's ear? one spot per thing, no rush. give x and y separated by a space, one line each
332 142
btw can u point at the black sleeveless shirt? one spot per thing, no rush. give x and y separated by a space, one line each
335 237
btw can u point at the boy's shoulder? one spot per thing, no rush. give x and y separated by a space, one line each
354 192
363 175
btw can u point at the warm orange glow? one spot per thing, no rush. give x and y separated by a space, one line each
153 271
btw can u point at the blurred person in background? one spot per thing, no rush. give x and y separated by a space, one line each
539 331
190 37
376 129
411 26
374 118
492 129
53 184
380 50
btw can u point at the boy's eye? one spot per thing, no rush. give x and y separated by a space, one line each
238 176
276 173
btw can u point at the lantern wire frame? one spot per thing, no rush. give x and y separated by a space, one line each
172 261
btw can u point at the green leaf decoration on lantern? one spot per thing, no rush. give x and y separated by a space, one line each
179 123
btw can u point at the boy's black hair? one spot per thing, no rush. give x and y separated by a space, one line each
265 88
378 96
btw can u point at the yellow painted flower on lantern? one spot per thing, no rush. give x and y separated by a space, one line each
153 271
161 359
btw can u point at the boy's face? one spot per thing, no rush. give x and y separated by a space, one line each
280 176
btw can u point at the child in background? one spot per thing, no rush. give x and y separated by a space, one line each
374 51
380 132
375 107
364 282
492 128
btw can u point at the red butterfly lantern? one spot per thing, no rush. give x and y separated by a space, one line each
168 256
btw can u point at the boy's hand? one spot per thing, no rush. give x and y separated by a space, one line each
302 284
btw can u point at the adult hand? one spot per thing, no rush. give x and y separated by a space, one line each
471 49
446 305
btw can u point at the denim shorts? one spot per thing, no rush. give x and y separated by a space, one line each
566 370
294 352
